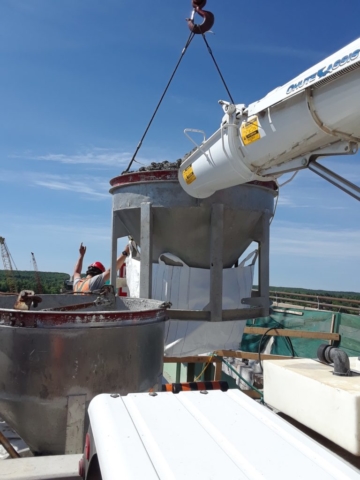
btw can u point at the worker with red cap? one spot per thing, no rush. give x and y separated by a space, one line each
96 275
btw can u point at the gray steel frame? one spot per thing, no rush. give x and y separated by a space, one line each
146 217
259 304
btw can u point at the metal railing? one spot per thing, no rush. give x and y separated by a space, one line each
319 302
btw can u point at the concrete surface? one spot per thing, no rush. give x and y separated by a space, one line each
60 467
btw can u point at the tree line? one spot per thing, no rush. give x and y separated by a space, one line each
321 293
51 282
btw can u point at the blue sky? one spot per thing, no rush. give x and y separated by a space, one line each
79 82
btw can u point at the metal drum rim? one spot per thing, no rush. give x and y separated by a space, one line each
33 319
165 176
145 177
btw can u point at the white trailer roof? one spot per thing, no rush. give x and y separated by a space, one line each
204 436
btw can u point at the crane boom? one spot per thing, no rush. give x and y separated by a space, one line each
37 275
314 115
8 268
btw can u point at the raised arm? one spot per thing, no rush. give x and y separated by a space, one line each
79 263
119 263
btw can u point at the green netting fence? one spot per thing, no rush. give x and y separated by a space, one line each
348 326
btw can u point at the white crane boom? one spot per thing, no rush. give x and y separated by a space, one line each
316 114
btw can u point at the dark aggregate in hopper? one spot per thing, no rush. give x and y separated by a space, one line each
165 165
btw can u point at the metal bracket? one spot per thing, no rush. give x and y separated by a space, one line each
205 315
106 299
299 163
340 182
262 302
187 160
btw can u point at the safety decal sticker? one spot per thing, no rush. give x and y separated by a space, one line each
189 175
249 130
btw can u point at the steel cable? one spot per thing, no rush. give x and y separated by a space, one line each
218 69
189 40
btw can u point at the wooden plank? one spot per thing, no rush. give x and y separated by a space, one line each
8 447
251 393
199 359
284 332
287 311
218 371
250 355
224 353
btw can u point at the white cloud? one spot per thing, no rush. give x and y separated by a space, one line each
285 200
98 157
312 202
288 201
309 241
73 186
93 186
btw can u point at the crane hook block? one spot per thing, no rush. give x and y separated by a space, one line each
208 17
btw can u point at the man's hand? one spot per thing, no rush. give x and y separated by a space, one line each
78 266
82 250
119 263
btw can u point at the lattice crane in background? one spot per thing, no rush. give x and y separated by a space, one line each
8 262
37 275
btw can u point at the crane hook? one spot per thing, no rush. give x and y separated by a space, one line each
208 17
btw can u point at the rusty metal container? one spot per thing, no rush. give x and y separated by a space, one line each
181 223
47 357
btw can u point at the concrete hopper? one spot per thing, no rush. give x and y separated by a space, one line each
181 223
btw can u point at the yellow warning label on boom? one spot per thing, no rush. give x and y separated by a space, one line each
249 130
189 175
